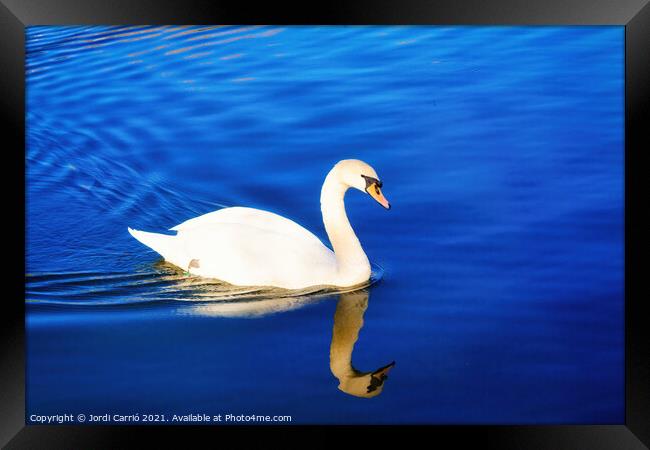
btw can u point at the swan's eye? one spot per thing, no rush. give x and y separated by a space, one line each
370 181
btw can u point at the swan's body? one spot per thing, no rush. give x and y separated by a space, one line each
247 247
251 247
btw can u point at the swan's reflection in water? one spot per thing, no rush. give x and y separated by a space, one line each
348 321
246 309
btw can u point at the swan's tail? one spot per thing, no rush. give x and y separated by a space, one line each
163 244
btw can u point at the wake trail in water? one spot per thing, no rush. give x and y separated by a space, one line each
165 284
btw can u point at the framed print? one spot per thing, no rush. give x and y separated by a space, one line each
267 220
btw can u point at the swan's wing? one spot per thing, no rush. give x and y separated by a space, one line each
246 255
251 217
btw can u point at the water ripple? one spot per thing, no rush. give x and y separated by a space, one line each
166 283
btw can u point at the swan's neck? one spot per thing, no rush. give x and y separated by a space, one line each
352 262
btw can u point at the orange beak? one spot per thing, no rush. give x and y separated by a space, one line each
375 192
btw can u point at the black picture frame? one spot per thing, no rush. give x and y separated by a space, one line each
15 15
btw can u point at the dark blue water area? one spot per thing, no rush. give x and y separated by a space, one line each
498 286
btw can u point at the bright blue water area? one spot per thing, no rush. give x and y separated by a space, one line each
498 284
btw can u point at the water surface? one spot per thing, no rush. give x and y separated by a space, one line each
498 284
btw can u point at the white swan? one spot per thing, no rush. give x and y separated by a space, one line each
251 247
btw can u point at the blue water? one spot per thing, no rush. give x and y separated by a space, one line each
498 273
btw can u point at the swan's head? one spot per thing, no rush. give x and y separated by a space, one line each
360 175
366 385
